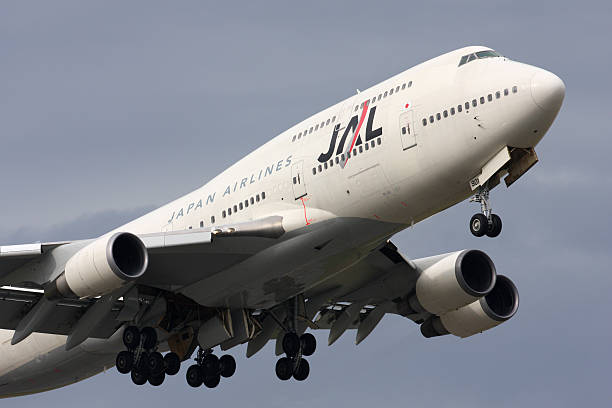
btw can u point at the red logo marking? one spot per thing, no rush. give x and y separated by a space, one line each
361 119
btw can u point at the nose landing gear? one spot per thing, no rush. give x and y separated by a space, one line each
485 223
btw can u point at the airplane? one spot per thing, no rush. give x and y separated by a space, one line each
294 236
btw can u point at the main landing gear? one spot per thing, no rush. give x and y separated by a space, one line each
294 364
142 359
209 369
485 223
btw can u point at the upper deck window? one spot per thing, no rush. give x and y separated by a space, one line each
478 55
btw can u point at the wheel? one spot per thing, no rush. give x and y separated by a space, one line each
157 379
479 225
131 337
227 365
194 376
495 226
172 363
308 344
302 370
284 368
155 363
291 344
124 362
212 381
138 378
210 365
149 338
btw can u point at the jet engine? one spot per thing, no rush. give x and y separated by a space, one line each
499 305
448 282
101 267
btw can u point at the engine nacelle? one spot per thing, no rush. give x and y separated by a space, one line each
452 281
495 308
102 266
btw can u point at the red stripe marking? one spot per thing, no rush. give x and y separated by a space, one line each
363 115
305 216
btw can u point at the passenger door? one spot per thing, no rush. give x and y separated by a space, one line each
407 130
297 177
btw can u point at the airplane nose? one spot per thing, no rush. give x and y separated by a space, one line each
547 90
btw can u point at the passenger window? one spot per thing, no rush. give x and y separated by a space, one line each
314 172
361 106
409 84
445 114
360 149
356 108
327 123
240 206
474 102
229 211
397 89
333 119
514 89
293 140
257 198
348 155
373 99
385 94
497 95
337 160
467 106
459 108
506 92
489 97
325 165
452 111
391 92
246 203
212 219
403 130
201 224
379 96
223 214
320 168
322 123
252 200
317 127
403 86
294 180
482 100
342 156
310 131
235 208
355 152
367 146
331 163
438 116
263 195
424 122
379 141
372 144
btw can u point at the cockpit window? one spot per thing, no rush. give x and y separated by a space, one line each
478 55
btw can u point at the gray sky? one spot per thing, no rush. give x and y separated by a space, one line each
109 109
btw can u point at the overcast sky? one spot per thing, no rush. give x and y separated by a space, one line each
109 109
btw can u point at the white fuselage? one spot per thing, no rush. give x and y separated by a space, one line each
427 140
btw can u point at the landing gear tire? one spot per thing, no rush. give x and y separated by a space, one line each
124 362
131 337
291 344
157 379
210 365
495 226
172 363
150 338
155 363
138 377
212 381
308 344
284 368
194 376
479 225
227 365
301 370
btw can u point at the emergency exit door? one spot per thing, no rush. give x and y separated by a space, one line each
297 178
407 130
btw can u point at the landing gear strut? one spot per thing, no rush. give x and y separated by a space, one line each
209 369
484 223
142 360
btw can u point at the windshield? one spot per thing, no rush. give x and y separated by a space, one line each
478 55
